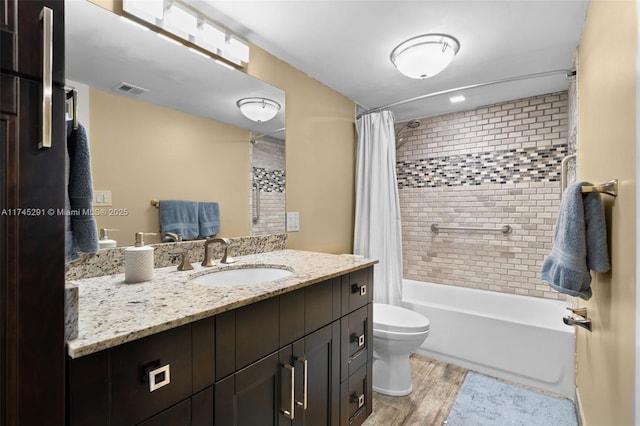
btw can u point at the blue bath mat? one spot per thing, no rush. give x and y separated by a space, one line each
483 401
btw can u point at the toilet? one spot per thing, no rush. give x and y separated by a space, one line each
397 332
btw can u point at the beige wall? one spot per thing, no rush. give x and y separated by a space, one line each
142 151
606 150
320 156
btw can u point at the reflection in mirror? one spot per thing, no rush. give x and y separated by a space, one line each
182 137
267 178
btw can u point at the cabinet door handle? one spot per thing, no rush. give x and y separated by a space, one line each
305 382
46 16
159 377
358 399
359 339
359 288
291 412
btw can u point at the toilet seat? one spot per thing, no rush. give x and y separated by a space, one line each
395 319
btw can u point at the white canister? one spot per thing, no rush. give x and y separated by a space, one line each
138 261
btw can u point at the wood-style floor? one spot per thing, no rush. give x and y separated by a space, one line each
435 386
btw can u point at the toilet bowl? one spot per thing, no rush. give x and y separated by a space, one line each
396 333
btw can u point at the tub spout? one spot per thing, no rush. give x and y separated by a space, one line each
580 322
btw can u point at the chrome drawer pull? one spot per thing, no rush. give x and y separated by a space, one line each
358 399
159 377
359 339
46 16
305 382
355 288
292 410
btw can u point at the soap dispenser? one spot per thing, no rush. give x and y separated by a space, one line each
105 241
138 261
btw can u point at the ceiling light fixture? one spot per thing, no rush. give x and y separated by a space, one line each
258 109
425 55
457 98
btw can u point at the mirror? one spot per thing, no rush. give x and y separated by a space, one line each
163 123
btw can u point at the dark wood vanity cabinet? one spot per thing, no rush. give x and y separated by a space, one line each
300 358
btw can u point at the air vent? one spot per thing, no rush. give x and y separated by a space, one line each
129 89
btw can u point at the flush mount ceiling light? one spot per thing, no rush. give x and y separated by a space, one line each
424 56
258 109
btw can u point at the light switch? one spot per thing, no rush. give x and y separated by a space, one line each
293 221
102 198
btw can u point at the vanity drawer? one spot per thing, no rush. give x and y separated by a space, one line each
150 374
356 341
356 397
357 289
178 415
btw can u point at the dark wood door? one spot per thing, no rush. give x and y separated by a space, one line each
32 249
257 394
321 353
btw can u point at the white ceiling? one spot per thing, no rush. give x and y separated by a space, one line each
103 50
346 45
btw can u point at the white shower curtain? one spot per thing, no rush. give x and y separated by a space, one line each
378 233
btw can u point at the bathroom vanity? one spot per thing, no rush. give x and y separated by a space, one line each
170 352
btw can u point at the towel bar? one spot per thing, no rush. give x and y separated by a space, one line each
155 203
609 188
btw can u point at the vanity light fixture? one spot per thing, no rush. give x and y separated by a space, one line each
457 98
180 20
425 55
258 109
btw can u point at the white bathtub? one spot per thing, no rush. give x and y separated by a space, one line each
516 338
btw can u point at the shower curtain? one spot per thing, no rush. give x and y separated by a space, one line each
378 233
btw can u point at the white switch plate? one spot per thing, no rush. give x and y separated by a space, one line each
102 198
293 221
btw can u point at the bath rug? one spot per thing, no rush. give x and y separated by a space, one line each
484 401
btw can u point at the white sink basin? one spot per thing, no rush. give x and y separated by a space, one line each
230 277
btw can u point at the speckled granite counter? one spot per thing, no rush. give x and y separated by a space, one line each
112 312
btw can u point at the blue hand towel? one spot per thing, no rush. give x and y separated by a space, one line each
579 243
209 219
81 232
179 217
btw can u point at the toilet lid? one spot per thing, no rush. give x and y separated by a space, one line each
394 318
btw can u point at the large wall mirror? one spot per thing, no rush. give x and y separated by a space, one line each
163 123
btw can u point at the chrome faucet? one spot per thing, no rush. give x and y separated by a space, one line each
208 252
172 236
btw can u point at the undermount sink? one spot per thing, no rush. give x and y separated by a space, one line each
243 276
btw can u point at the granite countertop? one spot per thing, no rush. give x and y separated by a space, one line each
112 312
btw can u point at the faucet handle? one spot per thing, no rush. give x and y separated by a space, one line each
226 259
185 265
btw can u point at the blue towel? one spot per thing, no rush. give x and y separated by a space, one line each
579 243
81 232
179 217
209 219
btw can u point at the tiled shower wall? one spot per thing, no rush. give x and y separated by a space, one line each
488 167
268 170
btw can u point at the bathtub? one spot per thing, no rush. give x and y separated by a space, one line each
516 338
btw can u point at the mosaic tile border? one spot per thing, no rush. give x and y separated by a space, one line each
270 180
503 167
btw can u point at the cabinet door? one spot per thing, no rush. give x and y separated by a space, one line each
258 394
31 261
317 361
21 41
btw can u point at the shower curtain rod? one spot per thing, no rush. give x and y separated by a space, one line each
568 73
